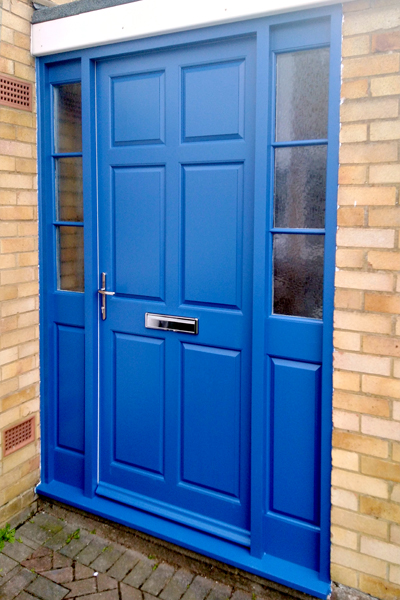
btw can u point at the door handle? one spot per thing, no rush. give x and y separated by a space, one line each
104 293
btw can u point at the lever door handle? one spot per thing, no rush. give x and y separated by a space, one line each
103 292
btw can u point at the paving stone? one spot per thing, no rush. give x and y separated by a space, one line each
41 551
158 579
140 573
6 564
24 596
199 589
63 575
241 595
177 586
60 561
48 522
60 539
46 589
34 532
104 582
110 595
220 592
31 543
16 584
17 551
124 564
9 574
76 545
44 563
129 593
109 555
82 572
81 588
149 596
92 551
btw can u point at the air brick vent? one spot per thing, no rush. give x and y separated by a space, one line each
16 93
18 436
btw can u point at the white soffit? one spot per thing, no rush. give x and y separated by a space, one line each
148 18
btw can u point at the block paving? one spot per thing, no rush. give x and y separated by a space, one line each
53 560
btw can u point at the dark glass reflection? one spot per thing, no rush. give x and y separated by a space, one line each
298 275
70 259
302 87
300 182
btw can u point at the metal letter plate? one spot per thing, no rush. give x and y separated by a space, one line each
171 323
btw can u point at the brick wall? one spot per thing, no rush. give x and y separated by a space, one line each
366 416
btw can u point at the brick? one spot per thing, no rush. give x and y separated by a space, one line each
356 45
177 586
381 386
364 280
199 589
21 40
385 86
18 582
346 340
75 546
108 556
362 322
368 153
46 589
360 483
82 572
396 450
18 306
361 404
158 579
378 588
382 42
9 115
376 108
104 582
380 549
380 427
380 468
360 523
380 509
385 130
344 537
344 499
344 575
385 217
366 196
343 380
92 551
395 534
64 575
355 89
351 299
350 217
354 133
18 213
384 173
362 363
130 593
80 588
26 165
394 575
15 53
345 420
365 564
370 65
365 238
382 302
124 564
18 245
360 443
371 20
384 260
351 175
345 460
381 345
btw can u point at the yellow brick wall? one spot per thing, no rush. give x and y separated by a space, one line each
366 399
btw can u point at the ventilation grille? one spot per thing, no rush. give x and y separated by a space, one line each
16 93
18 436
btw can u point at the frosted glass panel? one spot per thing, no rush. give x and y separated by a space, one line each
70 259
69 189
302 95
298 275
68 118
300 181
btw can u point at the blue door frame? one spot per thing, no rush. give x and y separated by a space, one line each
289 541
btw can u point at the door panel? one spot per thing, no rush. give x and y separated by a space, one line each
175 227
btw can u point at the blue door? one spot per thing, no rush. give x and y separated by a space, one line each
176 173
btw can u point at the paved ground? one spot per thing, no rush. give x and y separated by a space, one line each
55 559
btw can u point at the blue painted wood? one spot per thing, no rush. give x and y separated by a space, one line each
71 387
295 400
206 239
177 138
